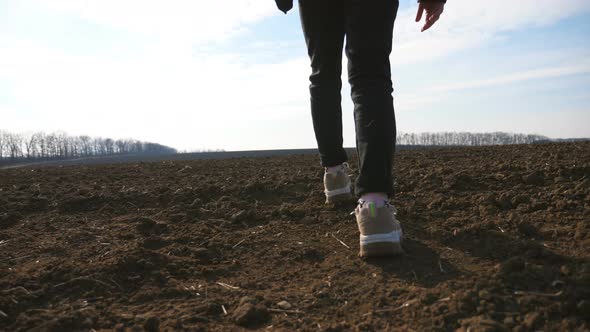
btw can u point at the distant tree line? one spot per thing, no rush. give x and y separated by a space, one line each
466 138
200 151
59 145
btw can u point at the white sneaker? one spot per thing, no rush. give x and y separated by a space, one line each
337 185
381 233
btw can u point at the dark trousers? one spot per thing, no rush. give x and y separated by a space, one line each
368 28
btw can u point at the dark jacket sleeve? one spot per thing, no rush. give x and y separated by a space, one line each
284 5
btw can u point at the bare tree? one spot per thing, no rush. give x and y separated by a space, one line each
98 146
40 144
15 142
2 144
466 138
62 145
73 146
85 145
121 146
59 145
31 145
109 145
52 146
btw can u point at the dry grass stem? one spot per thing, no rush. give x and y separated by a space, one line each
539 293
285 311
18 288
341 242
237 244
405 305
82 279
227 286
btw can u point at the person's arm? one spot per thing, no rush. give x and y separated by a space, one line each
433 9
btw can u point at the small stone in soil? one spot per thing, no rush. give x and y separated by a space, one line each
284 305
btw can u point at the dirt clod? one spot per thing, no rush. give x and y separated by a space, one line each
514 264
526 228
248 314
240 216
584 308
532 320
535 178
152 324
225 244
565 270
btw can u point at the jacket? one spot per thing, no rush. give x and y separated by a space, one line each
286 5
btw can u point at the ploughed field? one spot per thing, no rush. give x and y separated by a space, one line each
496 239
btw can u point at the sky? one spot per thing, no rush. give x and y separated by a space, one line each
233 75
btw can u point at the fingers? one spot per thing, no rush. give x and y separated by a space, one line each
419 13
432 18
430 22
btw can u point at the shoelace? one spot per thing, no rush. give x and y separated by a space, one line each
391 207
387 204
345 167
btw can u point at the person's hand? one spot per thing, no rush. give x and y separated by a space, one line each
433 11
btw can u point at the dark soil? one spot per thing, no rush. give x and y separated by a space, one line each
497 239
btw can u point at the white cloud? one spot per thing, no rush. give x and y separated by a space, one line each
541 73
10 118
165 96
173 20
565 123
467 23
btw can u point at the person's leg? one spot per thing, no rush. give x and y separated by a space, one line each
323 27
369 30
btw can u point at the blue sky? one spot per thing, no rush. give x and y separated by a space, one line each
202 74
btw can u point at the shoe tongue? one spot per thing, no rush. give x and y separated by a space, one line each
334 169
377 204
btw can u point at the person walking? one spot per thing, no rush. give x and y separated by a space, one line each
364 30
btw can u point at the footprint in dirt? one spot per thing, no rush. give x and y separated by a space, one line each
154 242
419 264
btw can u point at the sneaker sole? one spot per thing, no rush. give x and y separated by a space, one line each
388 244
380 249
342 198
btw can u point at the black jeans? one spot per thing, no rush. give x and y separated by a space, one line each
368 28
